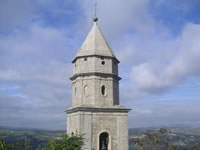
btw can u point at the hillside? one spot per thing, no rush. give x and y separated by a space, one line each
181 137
37 137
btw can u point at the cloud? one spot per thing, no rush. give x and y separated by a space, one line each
164 115
33 60
183 5
39 52
160 76
35 111
38 42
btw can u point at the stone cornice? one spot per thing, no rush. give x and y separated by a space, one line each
95 74
97 109
95 56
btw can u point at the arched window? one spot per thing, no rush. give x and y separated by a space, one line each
103 90
86 90
74 67
103 141
75 91
72 134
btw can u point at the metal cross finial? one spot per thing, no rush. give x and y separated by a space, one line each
95 19
95 6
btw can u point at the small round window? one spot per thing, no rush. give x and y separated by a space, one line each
103 62
103 90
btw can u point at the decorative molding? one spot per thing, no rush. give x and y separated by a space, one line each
93 109
99 56
105 75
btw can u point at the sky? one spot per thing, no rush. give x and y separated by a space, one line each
156 41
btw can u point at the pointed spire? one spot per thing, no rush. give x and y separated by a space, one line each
95 44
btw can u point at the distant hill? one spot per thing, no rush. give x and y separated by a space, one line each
181 137
37 137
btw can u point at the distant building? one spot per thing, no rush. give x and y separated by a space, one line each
95 110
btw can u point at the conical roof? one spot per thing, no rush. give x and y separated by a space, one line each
95 44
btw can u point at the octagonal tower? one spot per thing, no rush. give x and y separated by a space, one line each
95 110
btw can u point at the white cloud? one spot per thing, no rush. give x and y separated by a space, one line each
150 76
164 115
33 60
37 58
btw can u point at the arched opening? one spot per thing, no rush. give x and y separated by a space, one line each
103 89
86 90
75 91
72 134
103 141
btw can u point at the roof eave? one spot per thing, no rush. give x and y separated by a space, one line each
77 57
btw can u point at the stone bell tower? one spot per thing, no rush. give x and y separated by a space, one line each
95 110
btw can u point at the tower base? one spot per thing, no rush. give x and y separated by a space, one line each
102 128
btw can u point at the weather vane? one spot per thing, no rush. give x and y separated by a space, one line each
95 12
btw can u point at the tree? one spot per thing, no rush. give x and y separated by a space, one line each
66 143
4 146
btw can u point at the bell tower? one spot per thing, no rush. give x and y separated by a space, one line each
95 110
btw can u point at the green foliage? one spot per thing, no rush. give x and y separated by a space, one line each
4 146
154 141
163 130
66 143
23 146
27 145
71 143
159 140
52 145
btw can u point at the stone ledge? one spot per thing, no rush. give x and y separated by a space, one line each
95 74
97 109
95 56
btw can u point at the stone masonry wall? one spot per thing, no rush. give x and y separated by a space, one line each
87 92
92 124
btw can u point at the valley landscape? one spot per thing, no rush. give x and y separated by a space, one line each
139 138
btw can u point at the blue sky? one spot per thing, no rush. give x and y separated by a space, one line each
156 41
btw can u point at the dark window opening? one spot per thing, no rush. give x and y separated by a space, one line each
85 59
103 90
103 141
72 133
103 62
